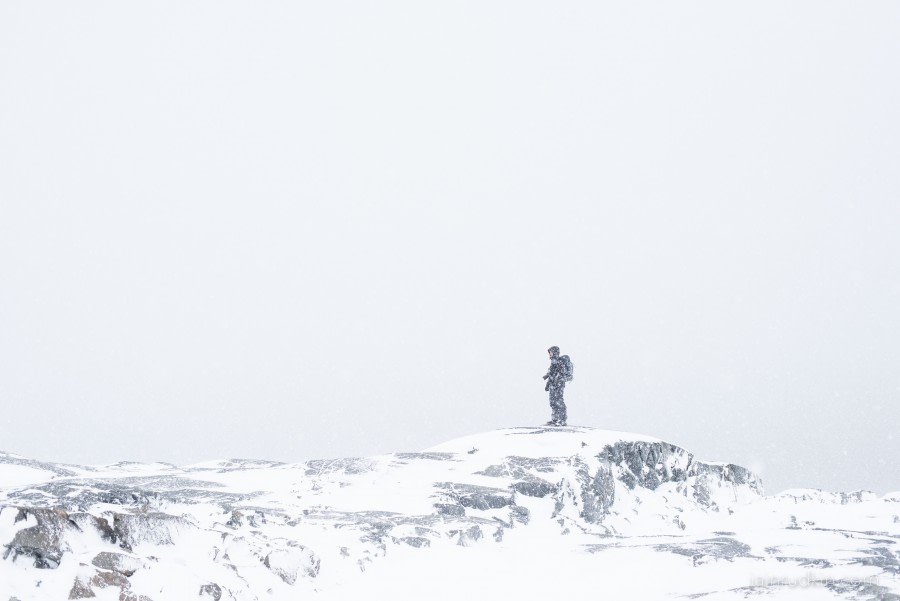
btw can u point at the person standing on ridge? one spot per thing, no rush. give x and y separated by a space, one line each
561 371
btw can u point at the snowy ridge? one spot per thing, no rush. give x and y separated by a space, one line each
508 504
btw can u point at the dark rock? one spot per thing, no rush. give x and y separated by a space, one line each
117 562
415 541
519 514
109 579
81 590
43 541
211 590
647 464
236 520
535 487
450 509
650 464
857 496
598 492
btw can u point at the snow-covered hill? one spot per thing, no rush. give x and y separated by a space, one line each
573 512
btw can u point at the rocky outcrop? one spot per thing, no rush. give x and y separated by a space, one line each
43 541
42 536
245 529
598 492
588 481
651 464
154 528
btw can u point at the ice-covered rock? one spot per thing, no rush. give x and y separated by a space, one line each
292 561
246 530
156 528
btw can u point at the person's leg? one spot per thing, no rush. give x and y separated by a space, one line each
556 404
561 404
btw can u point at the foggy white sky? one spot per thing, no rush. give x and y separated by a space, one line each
289 230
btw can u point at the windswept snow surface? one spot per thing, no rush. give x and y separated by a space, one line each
576 513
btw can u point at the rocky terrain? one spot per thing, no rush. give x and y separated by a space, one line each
574 511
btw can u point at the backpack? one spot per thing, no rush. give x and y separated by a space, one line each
568 368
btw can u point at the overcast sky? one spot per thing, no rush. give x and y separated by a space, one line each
288 230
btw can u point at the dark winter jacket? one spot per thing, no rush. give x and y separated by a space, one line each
556 375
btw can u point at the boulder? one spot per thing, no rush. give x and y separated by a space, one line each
43 541
211 590
291 562
119 563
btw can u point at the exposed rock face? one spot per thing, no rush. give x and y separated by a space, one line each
598 492
154 528
651 464
104 579
527 473
589 478
44 540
